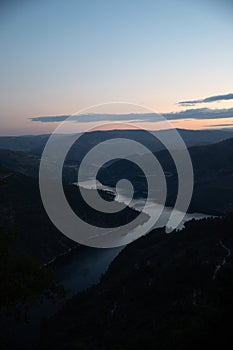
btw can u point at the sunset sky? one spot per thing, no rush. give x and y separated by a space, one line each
58 57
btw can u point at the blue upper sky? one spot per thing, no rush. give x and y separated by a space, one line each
60 56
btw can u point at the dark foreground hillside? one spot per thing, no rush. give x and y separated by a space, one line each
162 292
22 212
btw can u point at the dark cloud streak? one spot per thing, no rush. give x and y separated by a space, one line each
200 113
50 119
207 100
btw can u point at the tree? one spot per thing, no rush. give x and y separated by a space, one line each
23 284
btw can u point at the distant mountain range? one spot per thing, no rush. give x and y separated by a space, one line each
22 210
212 163
35 143
213 176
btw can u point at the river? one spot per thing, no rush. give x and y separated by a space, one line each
81 269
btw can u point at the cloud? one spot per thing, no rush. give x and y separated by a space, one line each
87 118
207 100
49 119
200 113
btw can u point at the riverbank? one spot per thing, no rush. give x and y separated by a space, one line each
156 292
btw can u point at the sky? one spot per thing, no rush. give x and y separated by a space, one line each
59 57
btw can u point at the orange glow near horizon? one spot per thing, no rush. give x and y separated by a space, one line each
28 127
191 124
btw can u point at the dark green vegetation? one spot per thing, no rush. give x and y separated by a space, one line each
23 284
36 240
212 163
22 153
35 143
22 212
213 170
159 293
